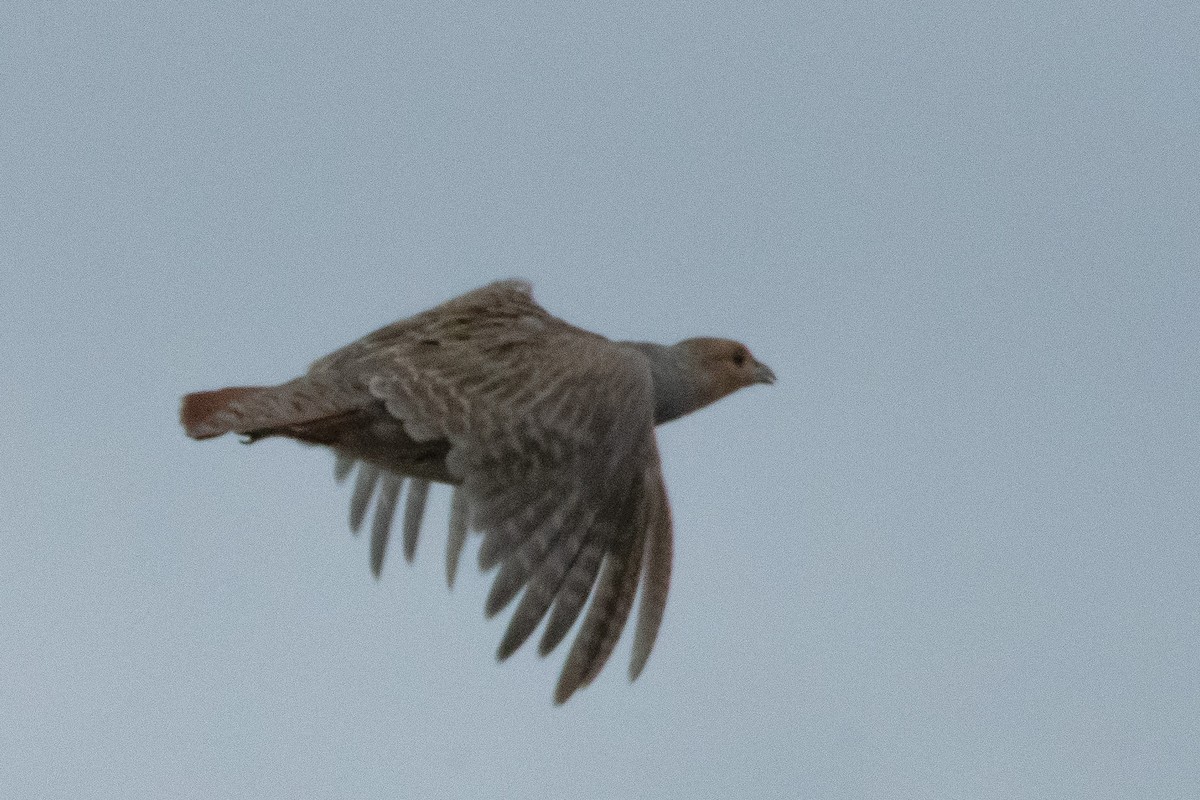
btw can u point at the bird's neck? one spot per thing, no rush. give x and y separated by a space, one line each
675 392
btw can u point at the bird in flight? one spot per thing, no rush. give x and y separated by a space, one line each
546 433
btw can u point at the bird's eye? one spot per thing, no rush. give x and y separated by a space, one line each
739 358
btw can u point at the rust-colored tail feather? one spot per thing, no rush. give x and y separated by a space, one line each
201 414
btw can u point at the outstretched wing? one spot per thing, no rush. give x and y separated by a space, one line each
551 436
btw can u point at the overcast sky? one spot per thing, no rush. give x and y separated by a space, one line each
953 553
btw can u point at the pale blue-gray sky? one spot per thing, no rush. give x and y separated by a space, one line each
952 554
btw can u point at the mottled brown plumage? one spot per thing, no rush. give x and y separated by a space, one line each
546 432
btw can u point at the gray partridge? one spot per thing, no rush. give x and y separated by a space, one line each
545 430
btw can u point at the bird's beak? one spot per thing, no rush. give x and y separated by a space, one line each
763 373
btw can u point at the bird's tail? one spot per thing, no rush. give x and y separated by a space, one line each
236 408
300 409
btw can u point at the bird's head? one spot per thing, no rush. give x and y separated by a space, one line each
722 366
